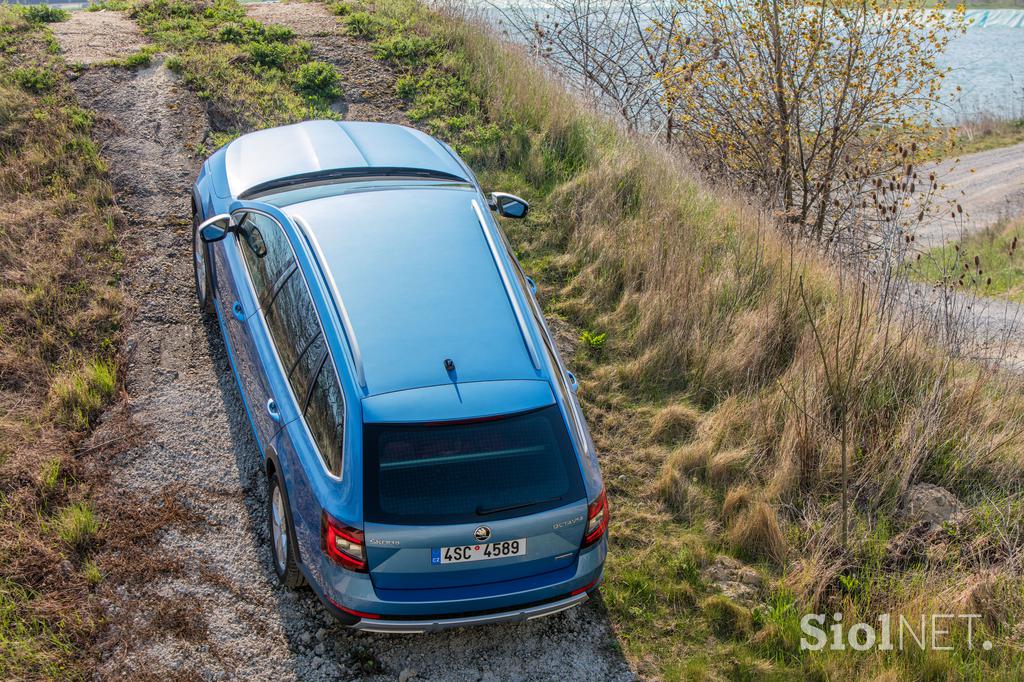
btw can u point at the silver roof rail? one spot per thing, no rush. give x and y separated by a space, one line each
520 317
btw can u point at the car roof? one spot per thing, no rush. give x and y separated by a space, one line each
263 157
419 283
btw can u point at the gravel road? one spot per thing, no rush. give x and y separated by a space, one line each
234 622
989 185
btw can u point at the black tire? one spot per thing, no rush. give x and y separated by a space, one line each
201 267
287 567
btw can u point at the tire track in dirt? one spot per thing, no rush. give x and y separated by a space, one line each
233 621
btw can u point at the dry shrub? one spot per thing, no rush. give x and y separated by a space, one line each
687 498
674 423
996 598
727 465
737 499
756 533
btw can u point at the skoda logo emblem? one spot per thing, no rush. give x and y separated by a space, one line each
482 533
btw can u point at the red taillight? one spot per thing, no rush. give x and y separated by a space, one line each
343 543
597 520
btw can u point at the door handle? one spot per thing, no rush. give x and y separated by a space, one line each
272 410
238 311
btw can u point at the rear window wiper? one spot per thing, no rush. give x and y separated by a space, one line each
481 511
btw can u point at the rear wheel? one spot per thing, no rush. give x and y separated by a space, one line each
282 535
201 267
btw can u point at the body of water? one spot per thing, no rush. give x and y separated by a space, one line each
988 65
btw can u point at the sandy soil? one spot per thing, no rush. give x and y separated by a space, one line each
92 37
233 620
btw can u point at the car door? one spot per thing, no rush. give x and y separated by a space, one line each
236 303
311 449
267 261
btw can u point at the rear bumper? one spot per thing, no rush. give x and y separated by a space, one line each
351 597
431 625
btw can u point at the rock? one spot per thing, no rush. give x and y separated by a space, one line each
749 576
735 580
927 503
728 562
738 592
406 675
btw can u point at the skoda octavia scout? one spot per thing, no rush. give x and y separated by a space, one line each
427 461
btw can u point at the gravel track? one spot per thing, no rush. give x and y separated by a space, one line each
989 185
234 622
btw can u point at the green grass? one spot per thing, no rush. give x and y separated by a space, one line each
76 525
79 396
42 14
30 645
989 263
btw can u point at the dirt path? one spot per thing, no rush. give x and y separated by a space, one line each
97 37
989 185
225 617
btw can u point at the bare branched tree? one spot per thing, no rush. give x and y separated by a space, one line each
806 102
606 50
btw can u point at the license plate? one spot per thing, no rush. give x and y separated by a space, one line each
482 552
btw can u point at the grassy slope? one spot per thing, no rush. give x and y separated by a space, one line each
999 270
707 395
992 135
980 134
59 315
698 362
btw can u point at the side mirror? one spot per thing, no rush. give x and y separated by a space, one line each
533 285
216 228
508 205
573 383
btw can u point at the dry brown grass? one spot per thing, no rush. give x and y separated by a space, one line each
674 423
756 534
59 319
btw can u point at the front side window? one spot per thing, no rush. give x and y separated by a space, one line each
266 252
292 322
469 472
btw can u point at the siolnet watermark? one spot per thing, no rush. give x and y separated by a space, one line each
898 633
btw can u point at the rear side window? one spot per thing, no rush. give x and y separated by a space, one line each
325 415
266 252
469 472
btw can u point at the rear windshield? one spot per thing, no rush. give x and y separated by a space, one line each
469 472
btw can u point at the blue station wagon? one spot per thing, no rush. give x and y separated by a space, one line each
428 463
